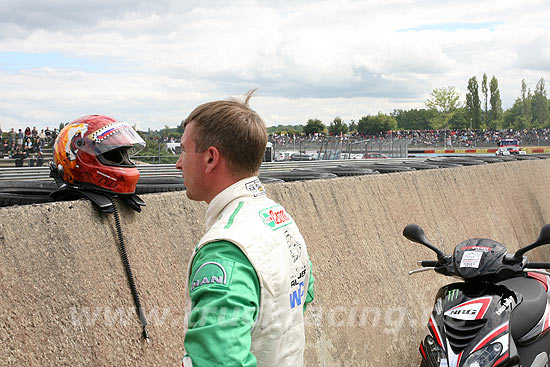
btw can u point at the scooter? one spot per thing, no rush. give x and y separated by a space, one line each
498 315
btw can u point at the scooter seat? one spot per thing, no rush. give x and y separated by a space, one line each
530 311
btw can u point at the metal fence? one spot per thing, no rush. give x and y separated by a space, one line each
330 149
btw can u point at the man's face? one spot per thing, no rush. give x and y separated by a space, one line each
191 164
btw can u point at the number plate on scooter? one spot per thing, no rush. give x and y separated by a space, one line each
471 259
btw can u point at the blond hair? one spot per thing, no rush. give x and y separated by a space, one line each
235 129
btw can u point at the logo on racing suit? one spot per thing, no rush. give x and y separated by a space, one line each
293 246
275 217
297 295
255 187
216 272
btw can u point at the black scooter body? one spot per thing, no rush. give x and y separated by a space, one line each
465 318
498 316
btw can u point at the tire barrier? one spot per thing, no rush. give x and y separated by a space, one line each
269 180
466 161
445 163
342 171
298 175
390 168
526 158
23 192
148 185
421 165
35 192
491 159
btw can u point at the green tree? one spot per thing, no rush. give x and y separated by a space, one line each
414 119
375 124
484 91
337 127
526 100
473 105
513 117
284 129
180 128
460 119
314 126
292 132
495 114
540 105
352 126
446 101
166 130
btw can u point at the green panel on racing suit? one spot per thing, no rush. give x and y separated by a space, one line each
309 295
223 314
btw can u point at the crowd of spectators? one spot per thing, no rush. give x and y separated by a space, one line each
29 143
471 138
429 138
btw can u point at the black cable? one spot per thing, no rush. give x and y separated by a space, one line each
128 270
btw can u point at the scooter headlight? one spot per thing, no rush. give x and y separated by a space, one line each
436 354
485 357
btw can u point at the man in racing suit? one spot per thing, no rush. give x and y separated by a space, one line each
249 278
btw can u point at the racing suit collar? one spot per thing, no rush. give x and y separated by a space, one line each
244 188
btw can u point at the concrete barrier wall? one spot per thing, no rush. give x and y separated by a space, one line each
64 298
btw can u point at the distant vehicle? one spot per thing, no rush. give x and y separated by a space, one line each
351 156
283 156
374 156
509 146
269 154
279 156
302 157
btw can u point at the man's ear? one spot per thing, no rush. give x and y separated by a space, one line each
212 159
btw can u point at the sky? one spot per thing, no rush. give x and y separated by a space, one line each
150 63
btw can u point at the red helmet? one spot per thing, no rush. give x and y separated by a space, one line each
95 150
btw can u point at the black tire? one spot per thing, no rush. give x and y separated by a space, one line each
421 165
442 163
298 175
149 185
540 155
466 161
160 180
269 180
23 187
490 159
507 158
390 168
348 171
35 192
9 199
526 158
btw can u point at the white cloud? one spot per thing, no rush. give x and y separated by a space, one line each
153 62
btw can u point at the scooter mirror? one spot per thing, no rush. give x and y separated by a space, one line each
414 233
544 238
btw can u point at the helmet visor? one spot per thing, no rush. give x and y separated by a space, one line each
112 136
